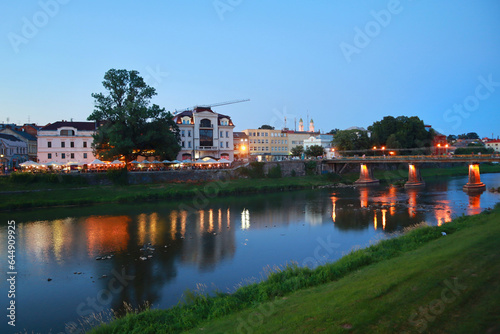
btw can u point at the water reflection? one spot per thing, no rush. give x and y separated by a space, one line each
209 245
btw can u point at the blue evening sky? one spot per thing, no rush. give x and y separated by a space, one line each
343 63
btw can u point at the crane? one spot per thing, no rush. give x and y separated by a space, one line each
211 105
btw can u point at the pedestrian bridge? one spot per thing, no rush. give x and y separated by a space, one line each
413 161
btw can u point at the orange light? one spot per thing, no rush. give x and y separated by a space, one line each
392 153
383 147
447 145
374 147
243 147
439 145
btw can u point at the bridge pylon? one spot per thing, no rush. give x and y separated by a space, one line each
414 178
474 184
366 176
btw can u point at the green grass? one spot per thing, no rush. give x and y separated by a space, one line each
399 285
63 190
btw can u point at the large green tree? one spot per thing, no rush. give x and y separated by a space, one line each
315 151
347 140
297 150
400 132
129 124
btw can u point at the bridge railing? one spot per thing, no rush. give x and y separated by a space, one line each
421 157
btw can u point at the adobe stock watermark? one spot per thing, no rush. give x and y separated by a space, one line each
363 37
428 313
223 6
31 26
281 118
154 75
94 305
471 103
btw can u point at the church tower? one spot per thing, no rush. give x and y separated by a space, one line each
301 125
311 126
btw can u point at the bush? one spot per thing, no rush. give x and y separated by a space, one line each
275 172
254 171
118 176
26 178
311 167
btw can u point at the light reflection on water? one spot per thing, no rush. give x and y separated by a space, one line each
223 243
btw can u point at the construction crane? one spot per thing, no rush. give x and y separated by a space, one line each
210 105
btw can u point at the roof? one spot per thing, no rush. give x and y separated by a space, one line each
239 134
493 141
23 134
189 113
82 126
8 137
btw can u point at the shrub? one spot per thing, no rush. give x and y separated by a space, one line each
118 176
275 172
310 167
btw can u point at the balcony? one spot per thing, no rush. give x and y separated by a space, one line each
206 148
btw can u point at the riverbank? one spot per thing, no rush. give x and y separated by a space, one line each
442 279
72 191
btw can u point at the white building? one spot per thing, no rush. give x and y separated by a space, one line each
65 142
324 140
494 144
205 133
13 151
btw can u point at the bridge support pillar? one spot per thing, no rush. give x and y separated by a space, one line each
366 176
414 178
474 183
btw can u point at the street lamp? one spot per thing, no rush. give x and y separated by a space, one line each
1 160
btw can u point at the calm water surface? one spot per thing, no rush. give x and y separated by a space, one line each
220 245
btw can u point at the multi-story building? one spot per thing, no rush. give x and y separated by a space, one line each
205 133
65 142
271 144
494 144
13 151
240 140
28 138
324 140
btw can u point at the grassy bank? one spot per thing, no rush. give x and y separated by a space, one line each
421 280
51 191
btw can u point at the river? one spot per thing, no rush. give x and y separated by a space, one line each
155 251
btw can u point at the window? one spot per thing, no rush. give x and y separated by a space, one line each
67 132
183 133
205 123
49 144
72 144
266 134
189 144
267 141
206 137
189 133
183 144
63 155
221 134
227 134
49 156
63 144
227 144
221 144
85 155
72 155
84 144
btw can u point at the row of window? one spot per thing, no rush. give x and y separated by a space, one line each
276 141
266 148
189 145
221 133
11 151
64 155
63 144
266 134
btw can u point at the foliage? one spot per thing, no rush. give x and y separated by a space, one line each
130 125
347 140
474 150
333 131
315 151
310 167
470 135
255 170
118 176
49 178
266 127
297 150
275 172
400 132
